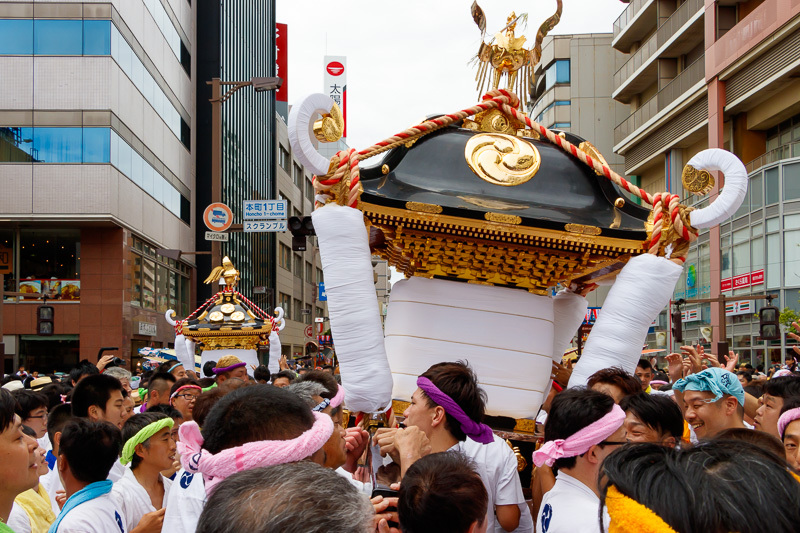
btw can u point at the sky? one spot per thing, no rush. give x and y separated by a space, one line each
410 59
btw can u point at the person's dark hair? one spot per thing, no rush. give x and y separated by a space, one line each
208 369
166 410
262 373
288 374
167 366
84 368
748 366
570 412
644 364
759 438
459 382
135 424
289 498
441 492
656 412
754 390
27 430
93 390
54 391
206 382
160 380
325 367
783 387
790 403
8 407
57 419
204 403
90 448
618 377
180 383
759 368
258 412
28 401
746 374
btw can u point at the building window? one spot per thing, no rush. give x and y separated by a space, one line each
54 145
310 191
320 311
157 282
50 263
791 250
319 275
791 181
164 24
285 302
297 176
55 37
557 73
772 185
286 257
309 272
298 266
298 311
307 314
561 125
283 158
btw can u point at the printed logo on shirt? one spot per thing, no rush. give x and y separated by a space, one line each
547 514
119 522
186 480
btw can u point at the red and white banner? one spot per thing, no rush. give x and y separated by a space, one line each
282 61
336 84
744 280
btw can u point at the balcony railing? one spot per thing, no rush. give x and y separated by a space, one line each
773 156
684 81
622 21
664 32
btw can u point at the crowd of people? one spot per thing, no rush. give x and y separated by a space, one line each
704 445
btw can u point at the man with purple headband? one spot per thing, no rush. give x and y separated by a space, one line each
448 407
230 366
583 427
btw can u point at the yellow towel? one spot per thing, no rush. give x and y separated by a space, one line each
37 505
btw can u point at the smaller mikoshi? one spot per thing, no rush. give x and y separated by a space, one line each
228 323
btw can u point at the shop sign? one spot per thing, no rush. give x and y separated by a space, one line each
216 236
744 280
690 315
148 329
6 260
741 307
264 209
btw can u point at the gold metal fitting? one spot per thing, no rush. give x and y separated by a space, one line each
330 127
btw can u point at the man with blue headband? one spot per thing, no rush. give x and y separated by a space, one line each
713 401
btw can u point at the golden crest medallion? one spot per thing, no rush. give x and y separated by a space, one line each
502 159
698 182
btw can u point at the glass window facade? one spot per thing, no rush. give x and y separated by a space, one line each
157 282
54 145
49 262
557 72
55 37
164 24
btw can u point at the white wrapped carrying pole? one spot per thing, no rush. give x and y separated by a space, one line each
353 307
301 122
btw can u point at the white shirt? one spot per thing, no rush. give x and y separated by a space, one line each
99 515
117 471
185 502
497 466
365 488
52 484
570 507
132 499
18 519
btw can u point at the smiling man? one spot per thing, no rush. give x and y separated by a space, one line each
18 468
713 401
776 393
651 418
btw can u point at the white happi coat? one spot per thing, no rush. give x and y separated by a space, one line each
132 499
187 497
51 482
99 515
570 507
117 471
497 466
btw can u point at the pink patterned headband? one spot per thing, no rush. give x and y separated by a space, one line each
183 388
216 467
224 369
338 399
475 430
787 418
580 442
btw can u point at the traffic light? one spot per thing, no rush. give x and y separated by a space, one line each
311 349
300 229
677 325
44 320
768 326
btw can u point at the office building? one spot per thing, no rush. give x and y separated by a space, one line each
721 74
572 90
238 43
97 173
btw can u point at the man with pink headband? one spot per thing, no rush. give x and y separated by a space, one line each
447 407
248 428
789 430
583 427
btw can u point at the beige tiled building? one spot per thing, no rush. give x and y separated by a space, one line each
96 173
